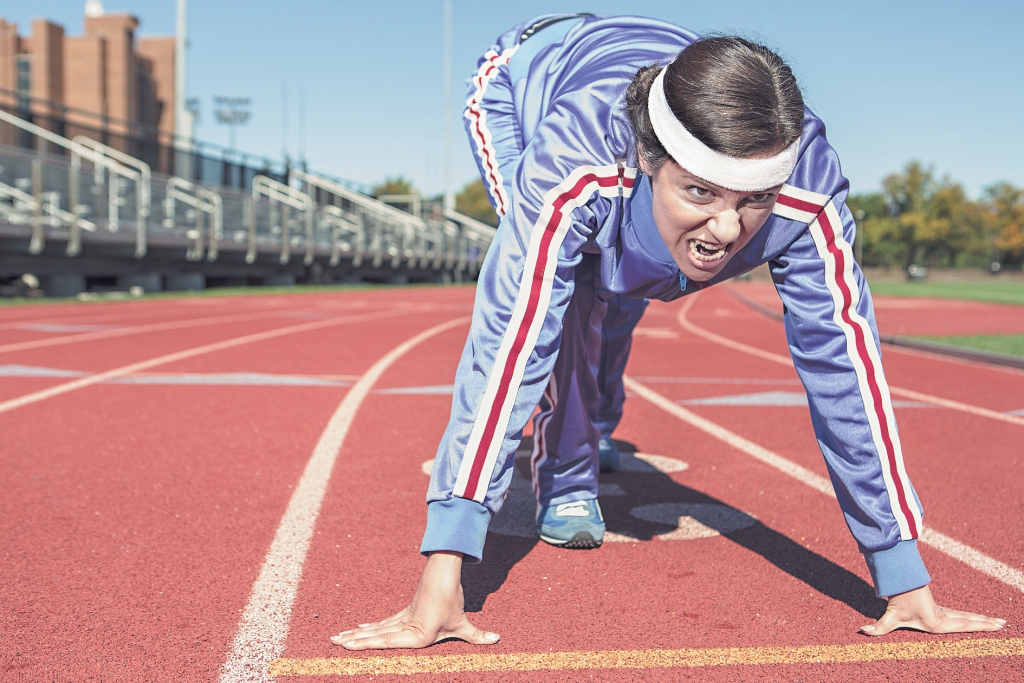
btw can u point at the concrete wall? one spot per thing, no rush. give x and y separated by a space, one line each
159 51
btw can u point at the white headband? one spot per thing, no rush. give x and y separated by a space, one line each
741 175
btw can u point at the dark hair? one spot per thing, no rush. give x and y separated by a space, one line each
735 96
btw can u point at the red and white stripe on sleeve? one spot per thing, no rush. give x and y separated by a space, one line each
478 126
825 224
528 316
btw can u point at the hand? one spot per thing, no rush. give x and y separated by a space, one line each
435 613
916 609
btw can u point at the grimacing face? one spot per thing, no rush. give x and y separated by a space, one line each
704 224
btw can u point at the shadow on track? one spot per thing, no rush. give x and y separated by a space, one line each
640 502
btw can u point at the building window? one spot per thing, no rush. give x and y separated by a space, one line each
24 80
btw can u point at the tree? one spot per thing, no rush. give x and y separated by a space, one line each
472 201
1003 208
394 185
918 217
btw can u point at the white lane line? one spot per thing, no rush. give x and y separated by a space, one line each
137 329
264 625
958 551
108 375
786 360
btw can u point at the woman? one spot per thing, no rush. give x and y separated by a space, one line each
632 180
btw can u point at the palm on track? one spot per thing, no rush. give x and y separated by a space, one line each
436 612
917 610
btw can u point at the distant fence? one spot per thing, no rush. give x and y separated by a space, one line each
193 160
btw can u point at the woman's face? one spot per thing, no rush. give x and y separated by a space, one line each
703 224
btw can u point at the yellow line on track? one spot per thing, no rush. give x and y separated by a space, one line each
648 659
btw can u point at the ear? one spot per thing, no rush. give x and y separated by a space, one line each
642 161
645 166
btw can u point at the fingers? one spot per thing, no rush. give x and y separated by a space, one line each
405 638
941 621
359 633
391 624
408 635
971 616
954 621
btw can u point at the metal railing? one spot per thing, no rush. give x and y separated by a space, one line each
17 206
202 201
61 187
103 166
288 198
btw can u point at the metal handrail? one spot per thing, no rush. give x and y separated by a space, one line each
289 197
362 200
341 221
143 198
99 160
410 228
202 200
57 214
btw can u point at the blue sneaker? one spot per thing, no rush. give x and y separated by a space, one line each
608 454
572 525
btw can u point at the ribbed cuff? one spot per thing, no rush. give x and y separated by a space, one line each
897 569
457 525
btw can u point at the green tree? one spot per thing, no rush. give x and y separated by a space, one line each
394 185
918 218
472 201
1003 209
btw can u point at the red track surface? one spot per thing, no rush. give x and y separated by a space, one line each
135 518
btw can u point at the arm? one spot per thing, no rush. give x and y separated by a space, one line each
525 285
833 340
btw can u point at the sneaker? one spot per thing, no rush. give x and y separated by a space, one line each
608 454
572 525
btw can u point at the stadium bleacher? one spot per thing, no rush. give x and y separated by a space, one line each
84 215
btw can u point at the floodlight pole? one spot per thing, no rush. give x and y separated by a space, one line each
183 122
449 199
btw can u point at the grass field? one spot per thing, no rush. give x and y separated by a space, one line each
998 291
1012 344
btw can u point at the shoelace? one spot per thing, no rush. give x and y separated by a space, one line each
574 509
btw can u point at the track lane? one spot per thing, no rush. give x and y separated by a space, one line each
708 593
114 373
722 593
264 624
952 468
196 312
189 483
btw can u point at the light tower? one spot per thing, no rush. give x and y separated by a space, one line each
446 138
184 119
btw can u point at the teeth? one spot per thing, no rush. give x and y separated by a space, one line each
706 251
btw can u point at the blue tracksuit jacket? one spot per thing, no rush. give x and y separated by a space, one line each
578 199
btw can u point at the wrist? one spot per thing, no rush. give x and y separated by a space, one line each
897 570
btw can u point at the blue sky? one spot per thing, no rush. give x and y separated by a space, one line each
940 82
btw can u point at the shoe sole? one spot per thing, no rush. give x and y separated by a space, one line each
581 541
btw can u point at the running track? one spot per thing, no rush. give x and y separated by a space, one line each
172 508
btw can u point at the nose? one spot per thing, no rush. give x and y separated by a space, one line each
725 225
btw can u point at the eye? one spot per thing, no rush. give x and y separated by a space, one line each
760 198
698 192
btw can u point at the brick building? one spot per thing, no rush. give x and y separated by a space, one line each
104 78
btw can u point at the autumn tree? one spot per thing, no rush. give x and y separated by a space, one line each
919 218
472 201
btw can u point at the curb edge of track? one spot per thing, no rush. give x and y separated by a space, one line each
990 357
